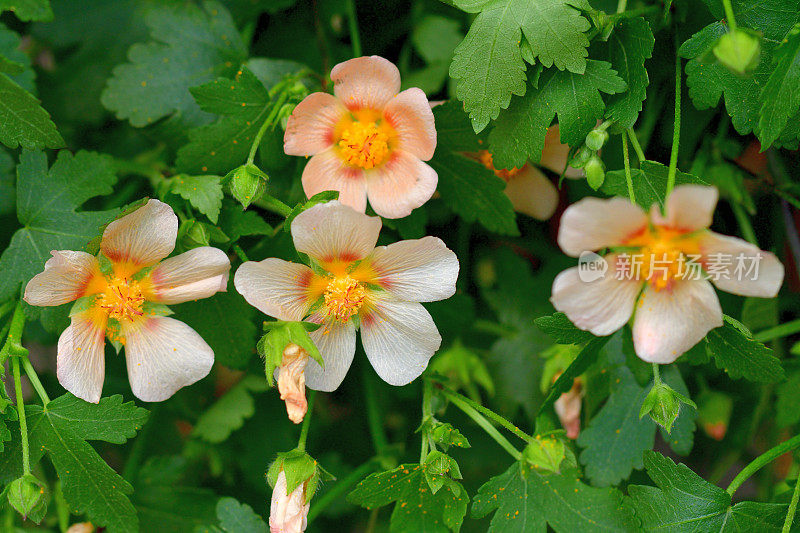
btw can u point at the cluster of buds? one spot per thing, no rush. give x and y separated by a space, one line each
588 157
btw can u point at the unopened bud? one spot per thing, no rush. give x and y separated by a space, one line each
714 411
738 50
595 172
193 234
581 157
596 139
247 183
28 496
663 404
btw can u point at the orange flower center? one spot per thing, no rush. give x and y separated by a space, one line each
364 144
344 296
485 157
122 299
664 255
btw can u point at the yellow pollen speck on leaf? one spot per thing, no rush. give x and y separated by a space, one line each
364 145
344 296
122 299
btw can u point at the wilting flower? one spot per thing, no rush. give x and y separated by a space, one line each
367 141
163 354
529 190
292 382
356 283
288 512
568 408
659 267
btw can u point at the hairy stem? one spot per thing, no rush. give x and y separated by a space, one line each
763 459
342 486
352 19
451 394
23 423
787 524
636 146
729 14
485 425
267 123
779 331
676 131
427 411
626 160
34 379
379 440
301 442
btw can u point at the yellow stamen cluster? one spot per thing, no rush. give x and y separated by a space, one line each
486 159
122 299
364 145
344 296
663 256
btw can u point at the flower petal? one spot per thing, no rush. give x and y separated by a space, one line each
689 208
275 287
332 232
143 237
311 125
399 338
591 224
336 342
400 185
532 193
80 363
65 278
420 270
327 172
164 355
601 306
670 322
410 115
747 270
365 82
555 155
193 275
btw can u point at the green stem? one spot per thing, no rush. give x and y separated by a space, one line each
12 345
267 123
627 162
240 253
352 19
744 223
271 203
427 411
621 5
656 374
787 524
34 379
487 326
486 426
676 132
379 440
779 331
451 394
763 459
23 423
636 146
633 13
301 442
342 486
729 14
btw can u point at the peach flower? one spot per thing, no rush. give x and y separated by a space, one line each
659 266
292 382
163 354
354 284
368 139
568 408
288 513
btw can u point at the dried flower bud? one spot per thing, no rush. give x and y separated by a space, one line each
292 381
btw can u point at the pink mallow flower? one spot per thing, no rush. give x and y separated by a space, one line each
288 513
368 140
163 354
356 284
658 270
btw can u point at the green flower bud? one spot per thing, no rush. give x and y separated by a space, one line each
247 183
284 114
438 468
193 234
714 413
28 496
279 335
663 404
596 139
739 50
545 453
298 467
581 157
595 172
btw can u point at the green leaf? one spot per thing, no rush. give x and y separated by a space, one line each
223 145
470 189
237 223
581 363
416 508
681 438
225 321
488 64
23 122
788 394
616 437
203 192
559 327
228 413
518 135
684 502
235 517
27 10
649 183
17 63
47 203
7 190
735 352
781 94
528 500
773 18
90 486
629 45
191 45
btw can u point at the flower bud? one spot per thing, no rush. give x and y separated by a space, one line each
193 234
247 183
276 341
714 413
288 512
292 382
28 496
663 404
738 50
284 114
568 409
581 157
595 172
545 453
596 139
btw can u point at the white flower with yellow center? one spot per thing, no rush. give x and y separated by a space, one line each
378 288
163 354
658 270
